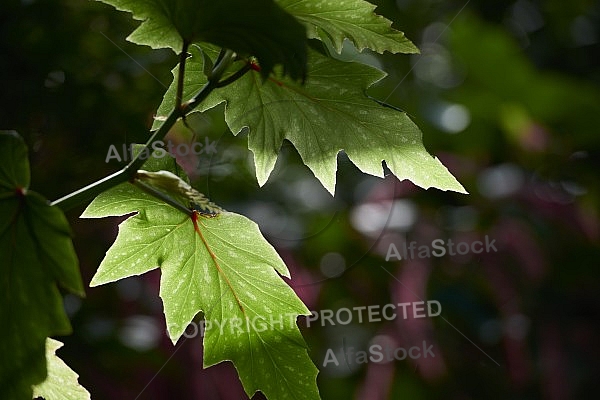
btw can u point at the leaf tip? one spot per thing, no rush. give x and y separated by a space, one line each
96 282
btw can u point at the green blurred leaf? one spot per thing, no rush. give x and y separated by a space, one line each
220 265
37 254
259 28
14 171
334 21
327 114
61 383
556 101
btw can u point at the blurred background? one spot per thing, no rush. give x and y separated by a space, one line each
507 94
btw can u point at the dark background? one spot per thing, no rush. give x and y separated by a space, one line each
506 94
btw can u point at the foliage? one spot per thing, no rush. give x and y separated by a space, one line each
37 256
212 261
355 20
61 383
328 113
525 72
221 265
258 28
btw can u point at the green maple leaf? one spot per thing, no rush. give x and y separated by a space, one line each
326 115
61 383
37 254
334 21
258 27
220 265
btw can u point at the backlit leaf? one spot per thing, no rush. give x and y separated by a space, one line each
61 383
219 265
326 115
258 27
334 21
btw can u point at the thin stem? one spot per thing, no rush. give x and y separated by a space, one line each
181 74
235 76
222 65
220 56
161 196
125 174
213 82
89 192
